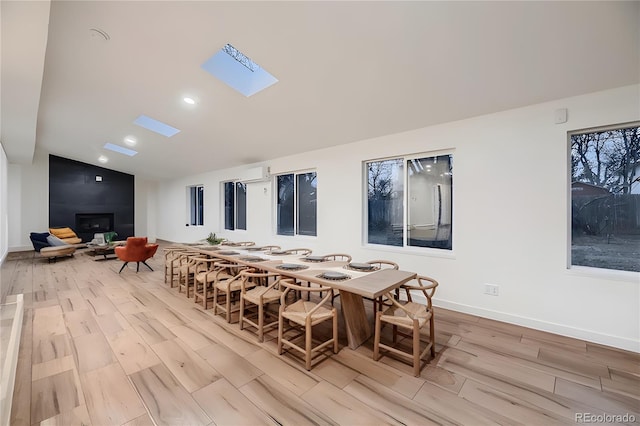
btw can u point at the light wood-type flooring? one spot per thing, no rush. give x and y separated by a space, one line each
106 349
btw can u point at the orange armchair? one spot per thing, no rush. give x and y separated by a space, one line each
136 250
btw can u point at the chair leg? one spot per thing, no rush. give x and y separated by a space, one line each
125 264
376 339
228 306
241 314
416 349
307 344
137 267
261 322
145 264
335 331
280 332
432 335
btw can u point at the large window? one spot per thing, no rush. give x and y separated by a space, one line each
196 205
605 198
409 201
235 205
296 203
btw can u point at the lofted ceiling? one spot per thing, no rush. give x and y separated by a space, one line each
347 71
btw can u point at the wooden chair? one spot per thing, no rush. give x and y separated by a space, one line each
171 263
382 264
410 316
300 251
239 243
256 290
207 272
228 288
187 271
338 256
303 315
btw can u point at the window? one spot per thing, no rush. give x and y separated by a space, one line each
421 215
235 205
605 198
196 205
296 204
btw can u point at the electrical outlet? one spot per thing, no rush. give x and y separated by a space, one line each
491 289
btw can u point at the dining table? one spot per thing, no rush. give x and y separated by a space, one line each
353 284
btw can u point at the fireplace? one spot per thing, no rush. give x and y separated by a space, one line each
88 224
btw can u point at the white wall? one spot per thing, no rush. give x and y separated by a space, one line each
510 217
4 215
28 203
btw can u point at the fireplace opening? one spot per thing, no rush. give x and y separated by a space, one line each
88 224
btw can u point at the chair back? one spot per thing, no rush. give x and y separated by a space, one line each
338 256
136 250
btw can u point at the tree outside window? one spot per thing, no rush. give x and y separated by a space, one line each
605 198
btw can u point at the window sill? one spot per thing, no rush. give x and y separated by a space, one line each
611 274
416 251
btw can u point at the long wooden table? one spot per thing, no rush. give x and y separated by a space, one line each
352 291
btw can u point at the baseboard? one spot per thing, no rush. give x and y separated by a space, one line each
564 330
20 248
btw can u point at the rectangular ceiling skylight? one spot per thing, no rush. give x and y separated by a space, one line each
120 149
156 126
238 71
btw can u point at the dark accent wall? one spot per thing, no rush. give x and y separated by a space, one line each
73 189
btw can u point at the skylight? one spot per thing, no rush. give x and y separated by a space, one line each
156 126
120 149
238 71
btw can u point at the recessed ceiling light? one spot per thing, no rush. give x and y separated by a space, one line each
189 100
130 140
103 159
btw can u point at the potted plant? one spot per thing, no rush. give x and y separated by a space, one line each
213 240
109 236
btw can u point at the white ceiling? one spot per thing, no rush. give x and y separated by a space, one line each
347 71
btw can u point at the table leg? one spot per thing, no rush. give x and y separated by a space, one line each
355 318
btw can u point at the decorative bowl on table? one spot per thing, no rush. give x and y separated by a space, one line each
291 267
314 259
279 252
252 259
363 267
334 276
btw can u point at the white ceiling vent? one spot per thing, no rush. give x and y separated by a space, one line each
256 174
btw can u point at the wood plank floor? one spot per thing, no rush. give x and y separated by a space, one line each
100 348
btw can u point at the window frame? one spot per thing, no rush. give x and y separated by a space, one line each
405 247
584 270
296 201
236 210
191 207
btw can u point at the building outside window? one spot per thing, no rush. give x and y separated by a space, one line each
196 205
410 201
605 197
296 203
235 205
